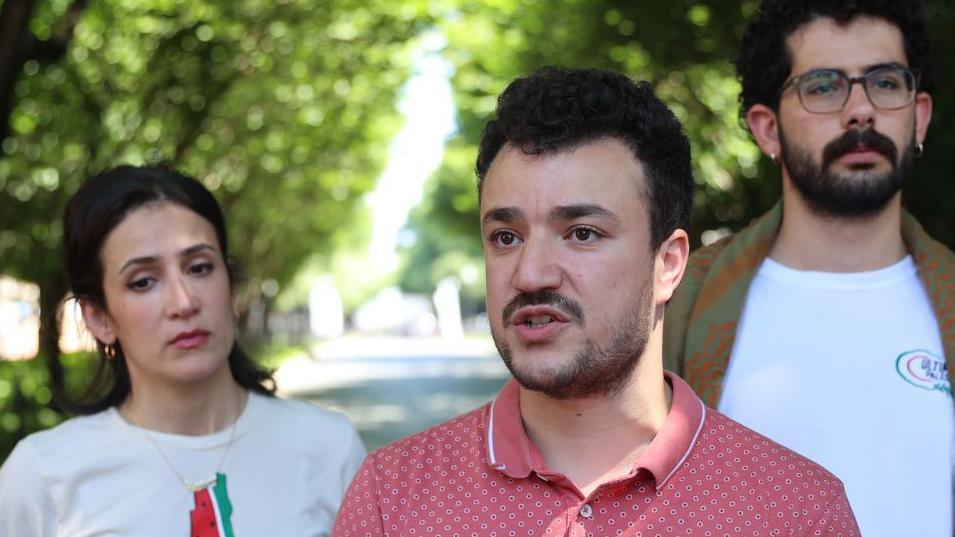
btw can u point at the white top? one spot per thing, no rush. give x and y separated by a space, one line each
97 475
848 370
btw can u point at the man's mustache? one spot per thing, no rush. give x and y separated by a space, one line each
854 138
544 297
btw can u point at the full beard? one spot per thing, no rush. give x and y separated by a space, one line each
860 193
595 370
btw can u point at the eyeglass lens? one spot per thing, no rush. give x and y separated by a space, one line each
827 90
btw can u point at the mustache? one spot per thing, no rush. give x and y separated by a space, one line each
544 297
853 138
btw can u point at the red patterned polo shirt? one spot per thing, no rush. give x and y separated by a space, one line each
479 475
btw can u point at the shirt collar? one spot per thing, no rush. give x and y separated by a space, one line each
508 447
675 440
511 452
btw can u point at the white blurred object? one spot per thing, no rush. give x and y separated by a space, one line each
325 311
447 303
19 319
74 337
393 312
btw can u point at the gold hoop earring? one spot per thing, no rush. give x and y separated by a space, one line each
919 150
774 158
110 351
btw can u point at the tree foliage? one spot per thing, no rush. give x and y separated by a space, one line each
685 48
280 107
283 108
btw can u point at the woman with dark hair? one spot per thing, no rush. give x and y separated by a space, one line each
179 431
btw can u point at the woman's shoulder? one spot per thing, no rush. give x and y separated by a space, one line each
302 415
72 434
306 430
59 446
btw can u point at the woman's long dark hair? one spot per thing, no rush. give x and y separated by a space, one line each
100 204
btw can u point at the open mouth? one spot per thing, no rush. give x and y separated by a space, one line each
539 324
533 316
538 320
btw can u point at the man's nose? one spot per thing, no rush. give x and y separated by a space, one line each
538 266
858 112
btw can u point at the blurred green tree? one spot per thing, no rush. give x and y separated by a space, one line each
283 108
685 48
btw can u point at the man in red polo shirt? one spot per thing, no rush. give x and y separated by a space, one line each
585 190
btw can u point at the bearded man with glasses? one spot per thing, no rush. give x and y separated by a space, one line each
828 323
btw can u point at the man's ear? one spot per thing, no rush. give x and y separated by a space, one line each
98 322
670 263
764 125
923 115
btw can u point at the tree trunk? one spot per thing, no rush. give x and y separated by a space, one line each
51 293
14 39
18 44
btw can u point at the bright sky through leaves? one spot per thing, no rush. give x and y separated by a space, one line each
415 152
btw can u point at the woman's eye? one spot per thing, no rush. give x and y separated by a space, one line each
200 268
141 284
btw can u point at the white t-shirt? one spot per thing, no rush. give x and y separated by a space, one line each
287 471
849 370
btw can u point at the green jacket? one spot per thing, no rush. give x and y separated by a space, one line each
702 317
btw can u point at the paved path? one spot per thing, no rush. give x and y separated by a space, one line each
392 387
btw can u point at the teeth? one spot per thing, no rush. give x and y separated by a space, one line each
538 320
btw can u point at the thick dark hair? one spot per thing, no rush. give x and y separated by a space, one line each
100 204
764 60
556 109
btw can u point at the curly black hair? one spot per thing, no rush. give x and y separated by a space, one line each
764 61
556 109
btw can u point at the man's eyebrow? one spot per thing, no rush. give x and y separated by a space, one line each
502 214
583 210
877 66
149 259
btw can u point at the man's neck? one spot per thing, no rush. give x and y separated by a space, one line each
594 440
808 240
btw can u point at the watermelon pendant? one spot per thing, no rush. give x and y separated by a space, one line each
212 516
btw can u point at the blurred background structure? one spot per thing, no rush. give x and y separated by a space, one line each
340 137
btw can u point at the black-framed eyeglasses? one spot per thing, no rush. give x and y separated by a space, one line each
822 91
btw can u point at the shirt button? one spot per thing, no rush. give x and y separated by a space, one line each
586 511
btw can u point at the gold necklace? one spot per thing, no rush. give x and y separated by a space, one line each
191 486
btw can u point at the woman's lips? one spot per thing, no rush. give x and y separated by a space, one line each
190 340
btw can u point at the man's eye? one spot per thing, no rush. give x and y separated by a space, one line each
820 88
504 238
821 83
886 83
584 234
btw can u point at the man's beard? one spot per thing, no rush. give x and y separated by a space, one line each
595 370
860 193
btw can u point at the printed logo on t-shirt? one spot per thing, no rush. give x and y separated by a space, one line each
923 369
